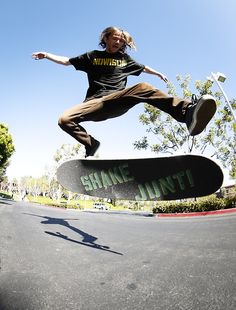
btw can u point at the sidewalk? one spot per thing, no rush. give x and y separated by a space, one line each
191 214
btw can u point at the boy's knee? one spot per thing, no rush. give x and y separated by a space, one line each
63 120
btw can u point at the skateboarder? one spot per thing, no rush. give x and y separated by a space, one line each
107 96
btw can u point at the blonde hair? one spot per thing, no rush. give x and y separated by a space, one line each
126 36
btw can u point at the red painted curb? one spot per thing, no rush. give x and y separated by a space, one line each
224 211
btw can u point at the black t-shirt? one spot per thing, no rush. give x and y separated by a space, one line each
107 72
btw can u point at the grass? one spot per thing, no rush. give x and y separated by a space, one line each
208 203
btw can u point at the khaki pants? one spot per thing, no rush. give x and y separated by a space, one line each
116 104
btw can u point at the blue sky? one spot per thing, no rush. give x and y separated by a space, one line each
174 37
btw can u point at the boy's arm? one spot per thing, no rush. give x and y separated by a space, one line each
154 72
62 60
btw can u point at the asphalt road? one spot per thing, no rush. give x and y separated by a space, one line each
64 259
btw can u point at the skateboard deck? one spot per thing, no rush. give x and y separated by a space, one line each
160 178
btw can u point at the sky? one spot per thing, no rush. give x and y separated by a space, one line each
194 37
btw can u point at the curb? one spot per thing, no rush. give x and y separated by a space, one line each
191 214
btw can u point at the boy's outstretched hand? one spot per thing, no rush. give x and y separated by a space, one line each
38 55
163 77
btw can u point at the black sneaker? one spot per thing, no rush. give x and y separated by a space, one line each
91 150
199 113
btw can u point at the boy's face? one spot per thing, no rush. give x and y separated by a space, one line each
114 42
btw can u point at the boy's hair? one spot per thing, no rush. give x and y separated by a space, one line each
127 37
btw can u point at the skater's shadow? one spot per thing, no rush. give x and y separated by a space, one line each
87 240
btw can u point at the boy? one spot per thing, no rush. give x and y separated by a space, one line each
108 97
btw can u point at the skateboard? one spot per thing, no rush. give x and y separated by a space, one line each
142 179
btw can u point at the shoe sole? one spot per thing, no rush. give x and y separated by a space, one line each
202 115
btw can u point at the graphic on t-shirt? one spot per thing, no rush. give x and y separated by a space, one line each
109 62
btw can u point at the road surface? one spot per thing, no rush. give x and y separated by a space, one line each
65 259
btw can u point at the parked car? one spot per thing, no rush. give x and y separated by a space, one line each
100 206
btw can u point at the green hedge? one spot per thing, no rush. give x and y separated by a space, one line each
201 205
5 195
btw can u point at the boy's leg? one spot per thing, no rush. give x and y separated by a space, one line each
196 113
98 109
70 119
92 110
144 92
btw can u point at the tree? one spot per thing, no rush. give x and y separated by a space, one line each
64 153
165 135
6 149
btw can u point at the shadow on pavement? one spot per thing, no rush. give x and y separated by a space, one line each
88 240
